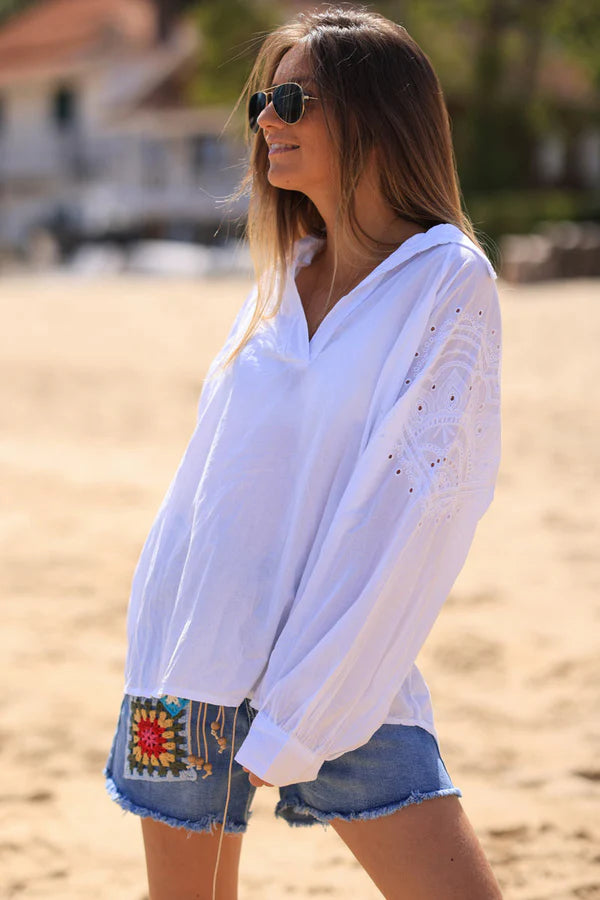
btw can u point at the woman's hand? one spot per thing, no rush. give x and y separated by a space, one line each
255 780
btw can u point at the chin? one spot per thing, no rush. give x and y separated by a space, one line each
283 181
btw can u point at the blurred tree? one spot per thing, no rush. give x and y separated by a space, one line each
493 58
231 32
576 27
8 7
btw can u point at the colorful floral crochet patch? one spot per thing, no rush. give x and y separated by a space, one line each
157 740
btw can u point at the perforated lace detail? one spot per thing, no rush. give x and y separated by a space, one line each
450 435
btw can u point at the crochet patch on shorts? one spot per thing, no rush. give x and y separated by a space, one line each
157 746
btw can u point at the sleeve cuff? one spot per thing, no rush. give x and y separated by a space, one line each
275 756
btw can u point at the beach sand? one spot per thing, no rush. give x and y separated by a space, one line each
99 390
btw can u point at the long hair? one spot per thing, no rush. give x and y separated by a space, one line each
379 93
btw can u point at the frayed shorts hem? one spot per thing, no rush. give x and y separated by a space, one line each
400 763
324 819
204 824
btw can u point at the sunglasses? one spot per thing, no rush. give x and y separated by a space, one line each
288 103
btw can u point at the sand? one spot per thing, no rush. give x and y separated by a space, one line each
99 388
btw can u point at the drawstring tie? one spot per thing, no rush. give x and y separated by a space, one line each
201 762
196 760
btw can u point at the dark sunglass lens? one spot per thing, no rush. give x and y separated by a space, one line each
287 100
256 104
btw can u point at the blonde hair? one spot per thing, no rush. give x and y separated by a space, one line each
379 92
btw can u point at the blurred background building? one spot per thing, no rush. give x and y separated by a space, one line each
97 137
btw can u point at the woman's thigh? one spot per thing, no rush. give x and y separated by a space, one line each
172 763
191 865
424 851
393 802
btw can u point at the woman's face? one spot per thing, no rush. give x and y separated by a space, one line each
309 168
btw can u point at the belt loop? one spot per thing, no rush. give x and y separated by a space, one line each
250 711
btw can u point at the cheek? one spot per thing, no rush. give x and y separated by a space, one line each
318 156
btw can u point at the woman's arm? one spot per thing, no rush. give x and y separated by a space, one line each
398 540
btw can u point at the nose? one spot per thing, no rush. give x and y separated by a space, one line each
268 116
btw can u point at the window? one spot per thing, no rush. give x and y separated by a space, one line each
154 163
206 153
64 108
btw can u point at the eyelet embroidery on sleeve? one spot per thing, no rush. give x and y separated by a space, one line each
443 451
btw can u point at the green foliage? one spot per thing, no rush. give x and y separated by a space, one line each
520 212
489 55
575 26
231 32
9 7
568 27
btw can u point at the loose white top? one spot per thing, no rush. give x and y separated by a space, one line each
324 507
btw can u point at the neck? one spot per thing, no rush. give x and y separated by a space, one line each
378 221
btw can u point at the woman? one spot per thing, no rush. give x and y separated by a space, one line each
347 443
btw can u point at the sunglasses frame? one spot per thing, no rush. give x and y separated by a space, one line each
268 92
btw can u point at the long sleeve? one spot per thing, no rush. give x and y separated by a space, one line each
396 544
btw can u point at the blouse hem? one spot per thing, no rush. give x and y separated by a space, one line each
219 700
174 691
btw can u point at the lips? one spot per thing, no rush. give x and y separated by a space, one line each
281 148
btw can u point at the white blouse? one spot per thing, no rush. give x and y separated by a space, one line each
324 507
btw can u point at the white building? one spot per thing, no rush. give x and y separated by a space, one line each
94 131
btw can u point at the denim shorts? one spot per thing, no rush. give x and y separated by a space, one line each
172 759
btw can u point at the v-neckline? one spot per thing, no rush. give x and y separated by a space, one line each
309 246
302 348
297 272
